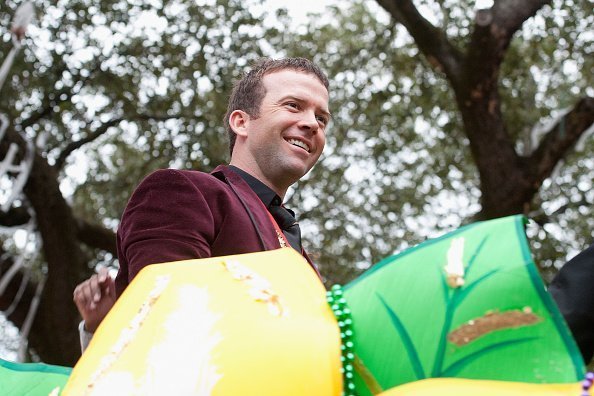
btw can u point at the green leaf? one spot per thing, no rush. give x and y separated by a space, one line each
407 341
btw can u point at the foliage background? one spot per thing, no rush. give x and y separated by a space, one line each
119 88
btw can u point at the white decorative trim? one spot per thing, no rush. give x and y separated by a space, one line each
455 266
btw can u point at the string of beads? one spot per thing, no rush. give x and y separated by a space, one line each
338 304
587 384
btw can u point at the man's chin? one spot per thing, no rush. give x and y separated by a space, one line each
296 172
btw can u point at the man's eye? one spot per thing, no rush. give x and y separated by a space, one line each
293 105
322 120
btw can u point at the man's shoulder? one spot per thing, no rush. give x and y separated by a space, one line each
221 182
176 187
176 176
185 173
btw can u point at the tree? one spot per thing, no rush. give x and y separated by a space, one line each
509 178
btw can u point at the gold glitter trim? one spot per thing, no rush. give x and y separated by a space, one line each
259 287
374 387
128 333
281 239
490 322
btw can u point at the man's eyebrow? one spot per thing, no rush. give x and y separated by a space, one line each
292 97
299 99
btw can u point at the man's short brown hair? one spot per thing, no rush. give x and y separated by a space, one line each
248 92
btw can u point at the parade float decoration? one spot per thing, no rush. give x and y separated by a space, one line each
463 314
32 379
253 324
470 304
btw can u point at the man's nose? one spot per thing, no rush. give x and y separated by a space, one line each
309 121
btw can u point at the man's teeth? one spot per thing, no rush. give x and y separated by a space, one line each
299 143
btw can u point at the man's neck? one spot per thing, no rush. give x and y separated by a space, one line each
265 193
254 173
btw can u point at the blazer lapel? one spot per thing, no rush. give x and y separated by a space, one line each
255 210
252 204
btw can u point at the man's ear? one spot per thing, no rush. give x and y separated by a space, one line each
238 121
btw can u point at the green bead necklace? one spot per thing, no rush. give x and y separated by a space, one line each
341 311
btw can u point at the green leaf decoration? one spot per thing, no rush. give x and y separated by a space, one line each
32 379
406 341
455 368
469 304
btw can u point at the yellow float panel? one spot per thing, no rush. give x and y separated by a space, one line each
255 324
466 387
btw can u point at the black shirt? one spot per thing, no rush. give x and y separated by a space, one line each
284 218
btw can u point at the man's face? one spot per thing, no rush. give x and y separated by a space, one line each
288 137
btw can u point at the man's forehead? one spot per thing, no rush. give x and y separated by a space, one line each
290 74
289 82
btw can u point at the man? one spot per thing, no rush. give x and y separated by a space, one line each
276 120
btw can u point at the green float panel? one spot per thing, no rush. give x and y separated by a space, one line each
31 379
470 304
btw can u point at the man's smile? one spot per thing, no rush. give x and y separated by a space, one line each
299 143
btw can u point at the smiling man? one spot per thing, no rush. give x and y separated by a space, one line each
276 121
284 139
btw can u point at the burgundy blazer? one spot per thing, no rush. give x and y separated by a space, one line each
180 214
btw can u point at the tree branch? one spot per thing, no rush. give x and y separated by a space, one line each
493 31
541 218
510 15
96 236
50 101
14 217
45 111
92 235
71 147
68 90
432 41
561 138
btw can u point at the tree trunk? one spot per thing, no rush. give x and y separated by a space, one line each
53 335
505 186
508 181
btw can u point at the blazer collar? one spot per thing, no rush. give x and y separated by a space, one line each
256 210
252 204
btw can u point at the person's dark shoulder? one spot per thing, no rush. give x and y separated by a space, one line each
174 197
176 178
173 174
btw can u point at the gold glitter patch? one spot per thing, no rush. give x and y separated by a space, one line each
281 239
259 287
490 322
